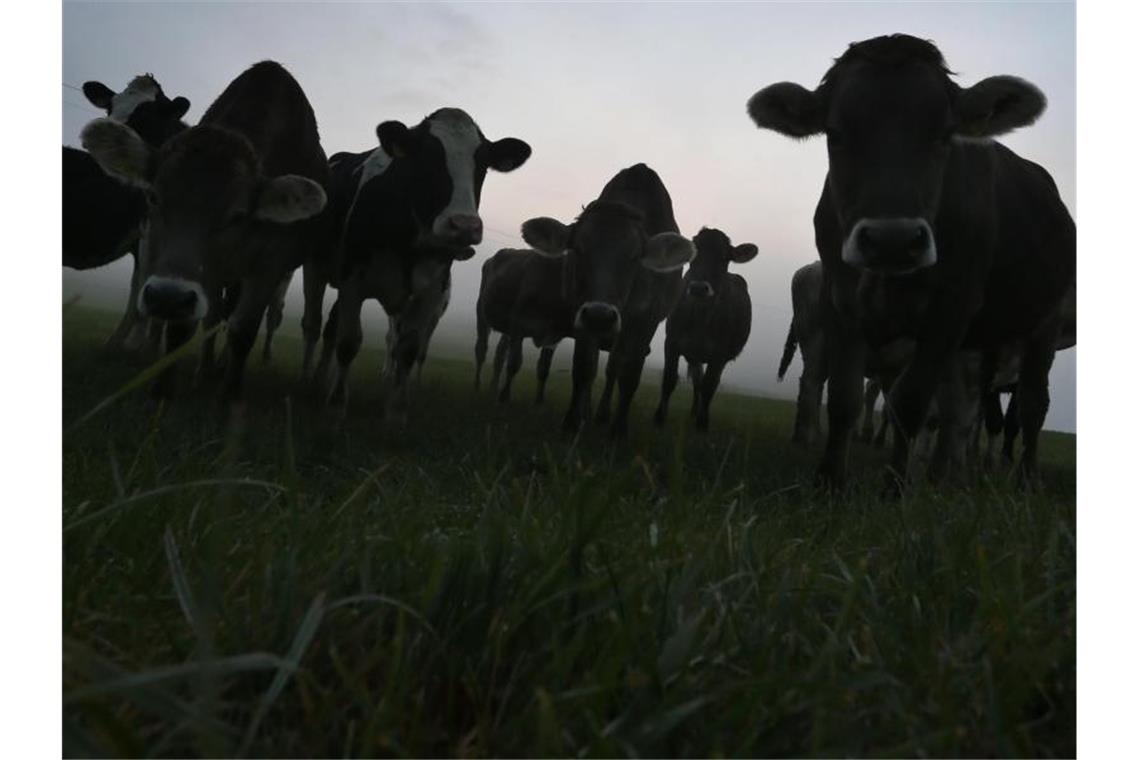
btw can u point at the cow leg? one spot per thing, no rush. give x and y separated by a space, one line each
613 364
328 348
482 334
514 363
1033 400
349 336
501 349
313 285
870 396
992 414
177 334
846 357
708 390
632 361
1011 429
668 381
696 372
207 362
120 339
958 401
545 358
274 316
810 396
241 333
584 370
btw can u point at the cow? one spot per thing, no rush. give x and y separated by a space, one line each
520 296
397 326
710 324
234 203
928 230
403 212
100 215
621 276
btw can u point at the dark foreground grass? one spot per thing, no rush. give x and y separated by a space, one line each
290 585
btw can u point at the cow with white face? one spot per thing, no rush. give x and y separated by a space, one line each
403 212
101 216
621 276
230 206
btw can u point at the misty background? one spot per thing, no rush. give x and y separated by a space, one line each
592 88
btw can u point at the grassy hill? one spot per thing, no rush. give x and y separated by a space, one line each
292 583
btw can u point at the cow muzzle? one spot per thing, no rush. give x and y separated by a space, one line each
463 229
891 246
172 299
699 290
598 320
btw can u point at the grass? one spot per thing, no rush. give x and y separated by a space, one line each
290 584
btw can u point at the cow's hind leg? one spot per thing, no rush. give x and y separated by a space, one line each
870 396
482 334
499 360
1033 402
313 285
125 333
545 358
1011 427
668 381
274 316
696 372
514 363
349 336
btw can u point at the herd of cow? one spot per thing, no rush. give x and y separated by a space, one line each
946 270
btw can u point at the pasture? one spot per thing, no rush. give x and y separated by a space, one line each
478 584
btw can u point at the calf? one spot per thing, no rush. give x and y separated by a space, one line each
101 216
520 296
927 229
403 212
710 324
621 277
232 203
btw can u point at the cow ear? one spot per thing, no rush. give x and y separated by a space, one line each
289 198
998 105
547 236
668 252
395 138
98 94
787 108
507 154
178 107
743 253
119 150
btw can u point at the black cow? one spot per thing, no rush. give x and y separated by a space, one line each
710 324
101 216
927 229
233 204
403 212
520 296
621 278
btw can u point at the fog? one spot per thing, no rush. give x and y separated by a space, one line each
592 88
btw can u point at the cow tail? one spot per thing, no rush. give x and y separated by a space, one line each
789 351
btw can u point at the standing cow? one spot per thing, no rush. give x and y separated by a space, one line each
233 204
101 216
520 296
621 278
403 213
710 324
927 230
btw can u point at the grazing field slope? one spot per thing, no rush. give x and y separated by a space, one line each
293 583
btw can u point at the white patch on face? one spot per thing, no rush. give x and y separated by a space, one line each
460 139
140 90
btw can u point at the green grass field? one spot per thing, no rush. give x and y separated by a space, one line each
478 584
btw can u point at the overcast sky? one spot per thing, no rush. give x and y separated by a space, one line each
593 88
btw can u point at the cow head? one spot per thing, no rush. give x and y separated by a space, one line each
210 209
604 250
891 115
706 276
142 106
449 158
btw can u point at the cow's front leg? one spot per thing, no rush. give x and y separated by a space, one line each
121 339
959 394
633 353
707 390
514 363
846 353
313 285
1033 400
613 364
584 370
241 334
542 371
668 381
349 336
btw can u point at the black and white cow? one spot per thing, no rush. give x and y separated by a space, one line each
928 230
520 296
233 205
621 277
100 215
403 213
710 324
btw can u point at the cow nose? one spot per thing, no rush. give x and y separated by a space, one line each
699 289
598 318
172 299
890 245
466 228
